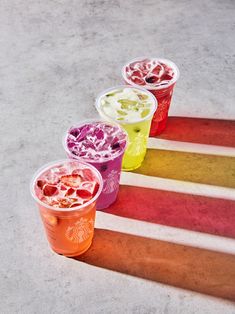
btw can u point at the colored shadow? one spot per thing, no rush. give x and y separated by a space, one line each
192 212
199 130
200 168
185 267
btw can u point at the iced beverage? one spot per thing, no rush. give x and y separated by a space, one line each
66 193
102 145
133 109
159 77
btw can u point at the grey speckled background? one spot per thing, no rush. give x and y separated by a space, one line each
55 57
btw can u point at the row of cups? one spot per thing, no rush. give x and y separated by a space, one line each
68 192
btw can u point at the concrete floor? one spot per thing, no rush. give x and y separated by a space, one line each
55 57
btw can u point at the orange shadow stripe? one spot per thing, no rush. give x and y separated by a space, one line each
185 267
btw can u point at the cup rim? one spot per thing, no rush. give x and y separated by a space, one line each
67 209
65 136
100 95
164 60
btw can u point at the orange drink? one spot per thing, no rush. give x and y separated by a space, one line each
66 192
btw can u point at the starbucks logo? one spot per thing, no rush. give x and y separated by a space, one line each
80 230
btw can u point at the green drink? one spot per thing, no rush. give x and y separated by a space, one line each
133 109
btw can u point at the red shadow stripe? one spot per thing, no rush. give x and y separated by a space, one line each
182 266
198 130
192 212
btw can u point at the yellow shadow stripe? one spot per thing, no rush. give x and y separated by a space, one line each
192 167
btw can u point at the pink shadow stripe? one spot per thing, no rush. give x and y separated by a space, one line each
192 212
199 130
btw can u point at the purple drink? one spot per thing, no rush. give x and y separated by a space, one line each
101 144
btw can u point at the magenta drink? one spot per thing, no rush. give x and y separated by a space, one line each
159 77
102 145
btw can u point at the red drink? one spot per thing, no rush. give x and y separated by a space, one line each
159 77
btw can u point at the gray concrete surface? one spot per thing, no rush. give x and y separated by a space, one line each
55 57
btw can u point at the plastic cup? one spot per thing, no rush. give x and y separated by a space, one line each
109 168
138 131
162 93
69 230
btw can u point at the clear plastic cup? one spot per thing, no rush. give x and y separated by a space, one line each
109 168
69 230
138 130
162 93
